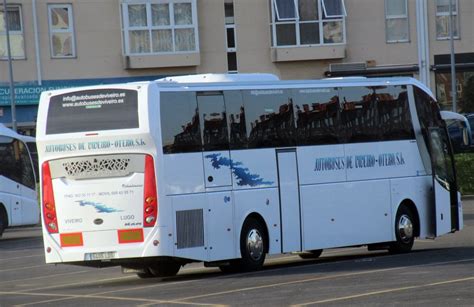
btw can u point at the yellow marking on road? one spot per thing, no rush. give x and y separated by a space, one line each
342 298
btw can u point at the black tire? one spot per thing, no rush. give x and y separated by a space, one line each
3 220
146 273
165 268
232 267
312 254
253 239
404 231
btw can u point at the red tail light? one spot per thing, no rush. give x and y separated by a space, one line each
150 197
49 207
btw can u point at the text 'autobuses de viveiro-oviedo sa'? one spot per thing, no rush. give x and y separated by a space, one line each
228 168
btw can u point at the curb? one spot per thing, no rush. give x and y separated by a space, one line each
467 197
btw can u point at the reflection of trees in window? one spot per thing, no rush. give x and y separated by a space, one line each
317 118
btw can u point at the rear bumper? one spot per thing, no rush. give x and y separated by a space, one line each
156 243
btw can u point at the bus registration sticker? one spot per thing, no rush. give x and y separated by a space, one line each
100 256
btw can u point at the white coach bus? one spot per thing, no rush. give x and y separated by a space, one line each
18 197
225 169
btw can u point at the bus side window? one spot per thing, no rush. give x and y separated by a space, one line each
236 119
317 116
180 122
359 114
269 116
7 159
213 121
394 113
15 162
24 167
428 112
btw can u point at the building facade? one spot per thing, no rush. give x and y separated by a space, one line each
57 43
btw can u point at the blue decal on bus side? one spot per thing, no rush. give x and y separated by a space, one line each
243 175
100 208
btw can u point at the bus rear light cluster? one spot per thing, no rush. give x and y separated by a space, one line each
49 207
150 197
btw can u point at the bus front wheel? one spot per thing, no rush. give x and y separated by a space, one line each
404 231
252 245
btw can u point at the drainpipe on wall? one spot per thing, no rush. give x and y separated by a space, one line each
453 64
423 41
10 65
37 47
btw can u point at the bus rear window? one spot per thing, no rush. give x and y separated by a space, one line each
92 110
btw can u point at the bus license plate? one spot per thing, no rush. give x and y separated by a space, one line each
100 256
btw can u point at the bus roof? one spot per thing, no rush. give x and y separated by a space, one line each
253 80
268 80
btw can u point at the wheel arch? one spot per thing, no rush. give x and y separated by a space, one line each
410 205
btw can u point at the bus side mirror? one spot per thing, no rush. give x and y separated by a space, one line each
466 138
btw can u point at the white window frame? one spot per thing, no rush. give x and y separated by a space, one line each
277 12
321 22
70 30
150 27
442 14
403 16
4 33
344 13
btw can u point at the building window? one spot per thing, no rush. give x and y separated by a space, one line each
308 22
396 21
15 27
442 19
152 27
231 38
61 31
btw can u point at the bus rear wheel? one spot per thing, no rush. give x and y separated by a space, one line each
404 231
146 273
3 220
252 245
164 268
312 254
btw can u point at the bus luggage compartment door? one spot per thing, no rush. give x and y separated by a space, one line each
289 200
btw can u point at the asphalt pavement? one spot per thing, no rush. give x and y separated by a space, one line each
437 273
